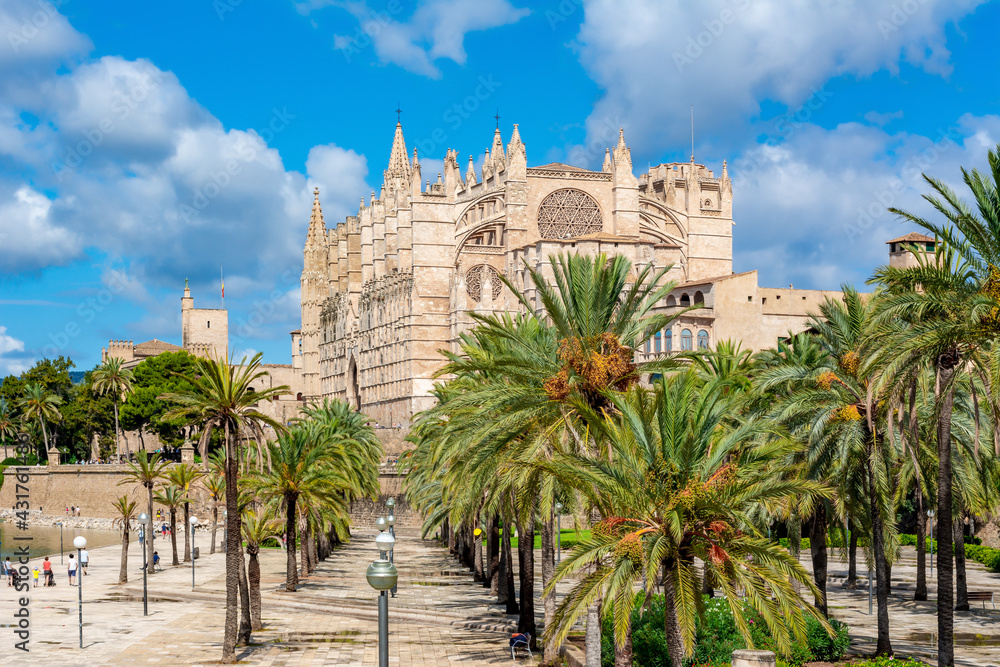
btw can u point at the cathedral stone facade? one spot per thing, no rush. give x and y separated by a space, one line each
384 291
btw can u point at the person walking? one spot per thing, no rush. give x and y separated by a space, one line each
47 571
84 561
35 573
71 569
8 571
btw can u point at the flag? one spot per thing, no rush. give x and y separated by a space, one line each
223 289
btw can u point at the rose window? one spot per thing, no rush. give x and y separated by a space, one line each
476 277
567 214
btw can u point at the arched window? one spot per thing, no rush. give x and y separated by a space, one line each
670 341
685 301
657 342
702 340
298 396
686 339
699 299
647 346
671 301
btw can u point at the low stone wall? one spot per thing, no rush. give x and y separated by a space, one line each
365 512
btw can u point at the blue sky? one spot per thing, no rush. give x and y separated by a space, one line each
119 121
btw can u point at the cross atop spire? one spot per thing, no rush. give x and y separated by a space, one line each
398 111
498 118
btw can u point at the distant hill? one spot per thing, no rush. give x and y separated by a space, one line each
77 376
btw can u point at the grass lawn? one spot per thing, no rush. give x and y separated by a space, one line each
570 536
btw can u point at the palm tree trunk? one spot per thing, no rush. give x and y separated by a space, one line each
493 555
45 438
884 645
245 622
123 572
148 530
817 548
313 553
233 555
254 581
173 533
623 653
215 525
291 570
477 555
304 555
852 558
921 591
592 636
187 532
118 441
961 585
671 623
509 592
945 595
526 572
551 650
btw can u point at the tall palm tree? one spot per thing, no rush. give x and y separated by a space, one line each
8 424
112 377
172 498
147 470
223 397
215 485
258 528
952 300
184 476
703 471
299 476
125 515
40 405
522 377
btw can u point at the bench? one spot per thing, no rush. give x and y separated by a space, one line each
982 596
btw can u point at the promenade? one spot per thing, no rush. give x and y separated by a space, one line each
439 617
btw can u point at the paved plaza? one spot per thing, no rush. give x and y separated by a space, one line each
439 617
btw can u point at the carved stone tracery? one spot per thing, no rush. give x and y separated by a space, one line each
568 213
475 279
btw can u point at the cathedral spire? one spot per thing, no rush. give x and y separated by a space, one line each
470 174
606 167
317 227
399 163
623 156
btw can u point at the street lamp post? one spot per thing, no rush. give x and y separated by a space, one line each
930 515
382 575
80 543
391 521
194 524
558 533
60 543
144 523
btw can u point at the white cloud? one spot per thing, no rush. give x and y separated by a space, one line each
28 237
812 211
340 176
655 58
437 29
12 359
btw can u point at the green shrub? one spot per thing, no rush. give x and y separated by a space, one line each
890 662
716 637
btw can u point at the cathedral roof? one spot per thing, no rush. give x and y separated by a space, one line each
559 166
913 237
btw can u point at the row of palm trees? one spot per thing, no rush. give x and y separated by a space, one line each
683 463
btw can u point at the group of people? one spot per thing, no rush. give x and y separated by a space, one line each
73 510
46 573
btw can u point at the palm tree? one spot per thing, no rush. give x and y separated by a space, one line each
125 510
951 301
113 377
519 382
299 476
184 476
8 424
686 476
215 484
171 497
258 528
223 397
40 405
147 470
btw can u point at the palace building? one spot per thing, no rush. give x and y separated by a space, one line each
384 291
